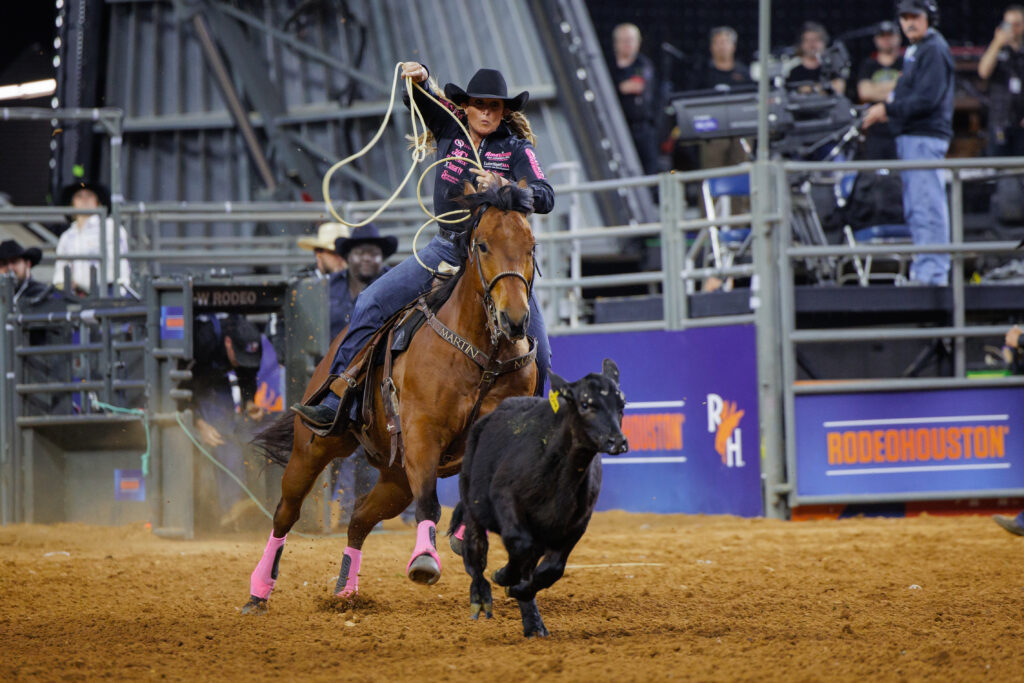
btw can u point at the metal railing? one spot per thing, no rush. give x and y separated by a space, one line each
782 490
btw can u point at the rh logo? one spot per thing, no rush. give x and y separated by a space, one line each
723 421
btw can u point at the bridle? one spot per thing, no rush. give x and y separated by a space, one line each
493 324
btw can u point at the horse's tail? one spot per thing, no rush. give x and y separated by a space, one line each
275 442
457 516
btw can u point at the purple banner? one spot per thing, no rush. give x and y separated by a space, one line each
909 442
129 485
691 419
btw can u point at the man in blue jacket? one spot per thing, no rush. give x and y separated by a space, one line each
920 110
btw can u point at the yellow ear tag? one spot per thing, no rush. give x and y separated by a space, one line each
553 398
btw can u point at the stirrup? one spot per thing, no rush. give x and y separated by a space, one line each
343 386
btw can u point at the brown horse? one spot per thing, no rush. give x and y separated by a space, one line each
438 386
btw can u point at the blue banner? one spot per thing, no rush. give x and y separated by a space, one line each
909 442
129 485
691 419
172 322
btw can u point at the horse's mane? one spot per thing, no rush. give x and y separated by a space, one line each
506 198
436 297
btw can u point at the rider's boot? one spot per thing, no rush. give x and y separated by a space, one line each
325 411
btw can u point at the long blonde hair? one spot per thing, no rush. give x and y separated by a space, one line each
515 120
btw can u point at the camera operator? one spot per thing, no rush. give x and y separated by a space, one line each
1003 64
921 112
809 76
875 82
722 73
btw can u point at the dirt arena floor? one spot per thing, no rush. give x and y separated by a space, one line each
646 598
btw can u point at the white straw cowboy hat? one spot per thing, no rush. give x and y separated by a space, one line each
326 234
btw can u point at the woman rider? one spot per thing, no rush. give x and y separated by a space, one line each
504 140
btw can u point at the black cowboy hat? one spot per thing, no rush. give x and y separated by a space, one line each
10 250
367 234
886 27
245 341
101 192
487 84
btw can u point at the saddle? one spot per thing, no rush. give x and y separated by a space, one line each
391 339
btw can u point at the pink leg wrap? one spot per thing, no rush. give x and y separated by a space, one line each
460 533
426 534
262 580
348 577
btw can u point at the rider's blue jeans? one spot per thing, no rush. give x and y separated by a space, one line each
402 285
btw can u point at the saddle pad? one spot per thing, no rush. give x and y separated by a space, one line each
406 330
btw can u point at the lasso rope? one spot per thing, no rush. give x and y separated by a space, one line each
419 153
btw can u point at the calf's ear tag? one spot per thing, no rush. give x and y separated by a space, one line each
553 398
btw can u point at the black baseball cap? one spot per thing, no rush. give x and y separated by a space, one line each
886 27
245 341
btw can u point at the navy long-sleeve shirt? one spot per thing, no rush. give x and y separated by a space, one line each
922 103
501 152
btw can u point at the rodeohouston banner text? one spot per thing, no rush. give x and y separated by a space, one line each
691 419
910 442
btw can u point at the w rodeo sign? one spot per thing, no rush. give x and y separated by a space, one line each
910 443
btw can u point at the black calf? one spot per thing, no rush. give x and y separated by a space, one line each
529 474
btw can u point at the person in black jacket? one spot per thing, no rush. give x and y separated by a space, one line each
227 354
633 75
19 262
504 140
921 113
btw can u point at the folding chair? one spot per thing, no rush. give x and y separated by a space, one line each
726 242
873 235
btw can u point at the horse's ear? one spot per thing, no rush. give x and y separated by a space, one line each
558 384
610 370
467 188
522 184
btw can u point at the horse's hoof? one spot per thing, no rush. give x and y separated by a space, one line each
456 543
424 569
255 606
347 594
538 633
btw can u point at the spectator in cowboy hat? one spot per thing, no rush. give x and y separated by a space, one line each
19 262
328 261
82 238
365 251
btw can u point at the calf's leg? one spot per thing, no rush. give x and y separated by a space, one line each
474 558
548 571
533 625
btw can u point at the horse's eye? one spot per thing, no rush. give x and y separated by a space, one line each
483 247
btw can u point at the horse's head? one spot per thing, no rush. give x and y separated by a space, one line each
501 252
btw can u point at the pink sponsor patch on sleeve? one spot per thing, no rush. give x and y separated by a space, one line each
534 164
